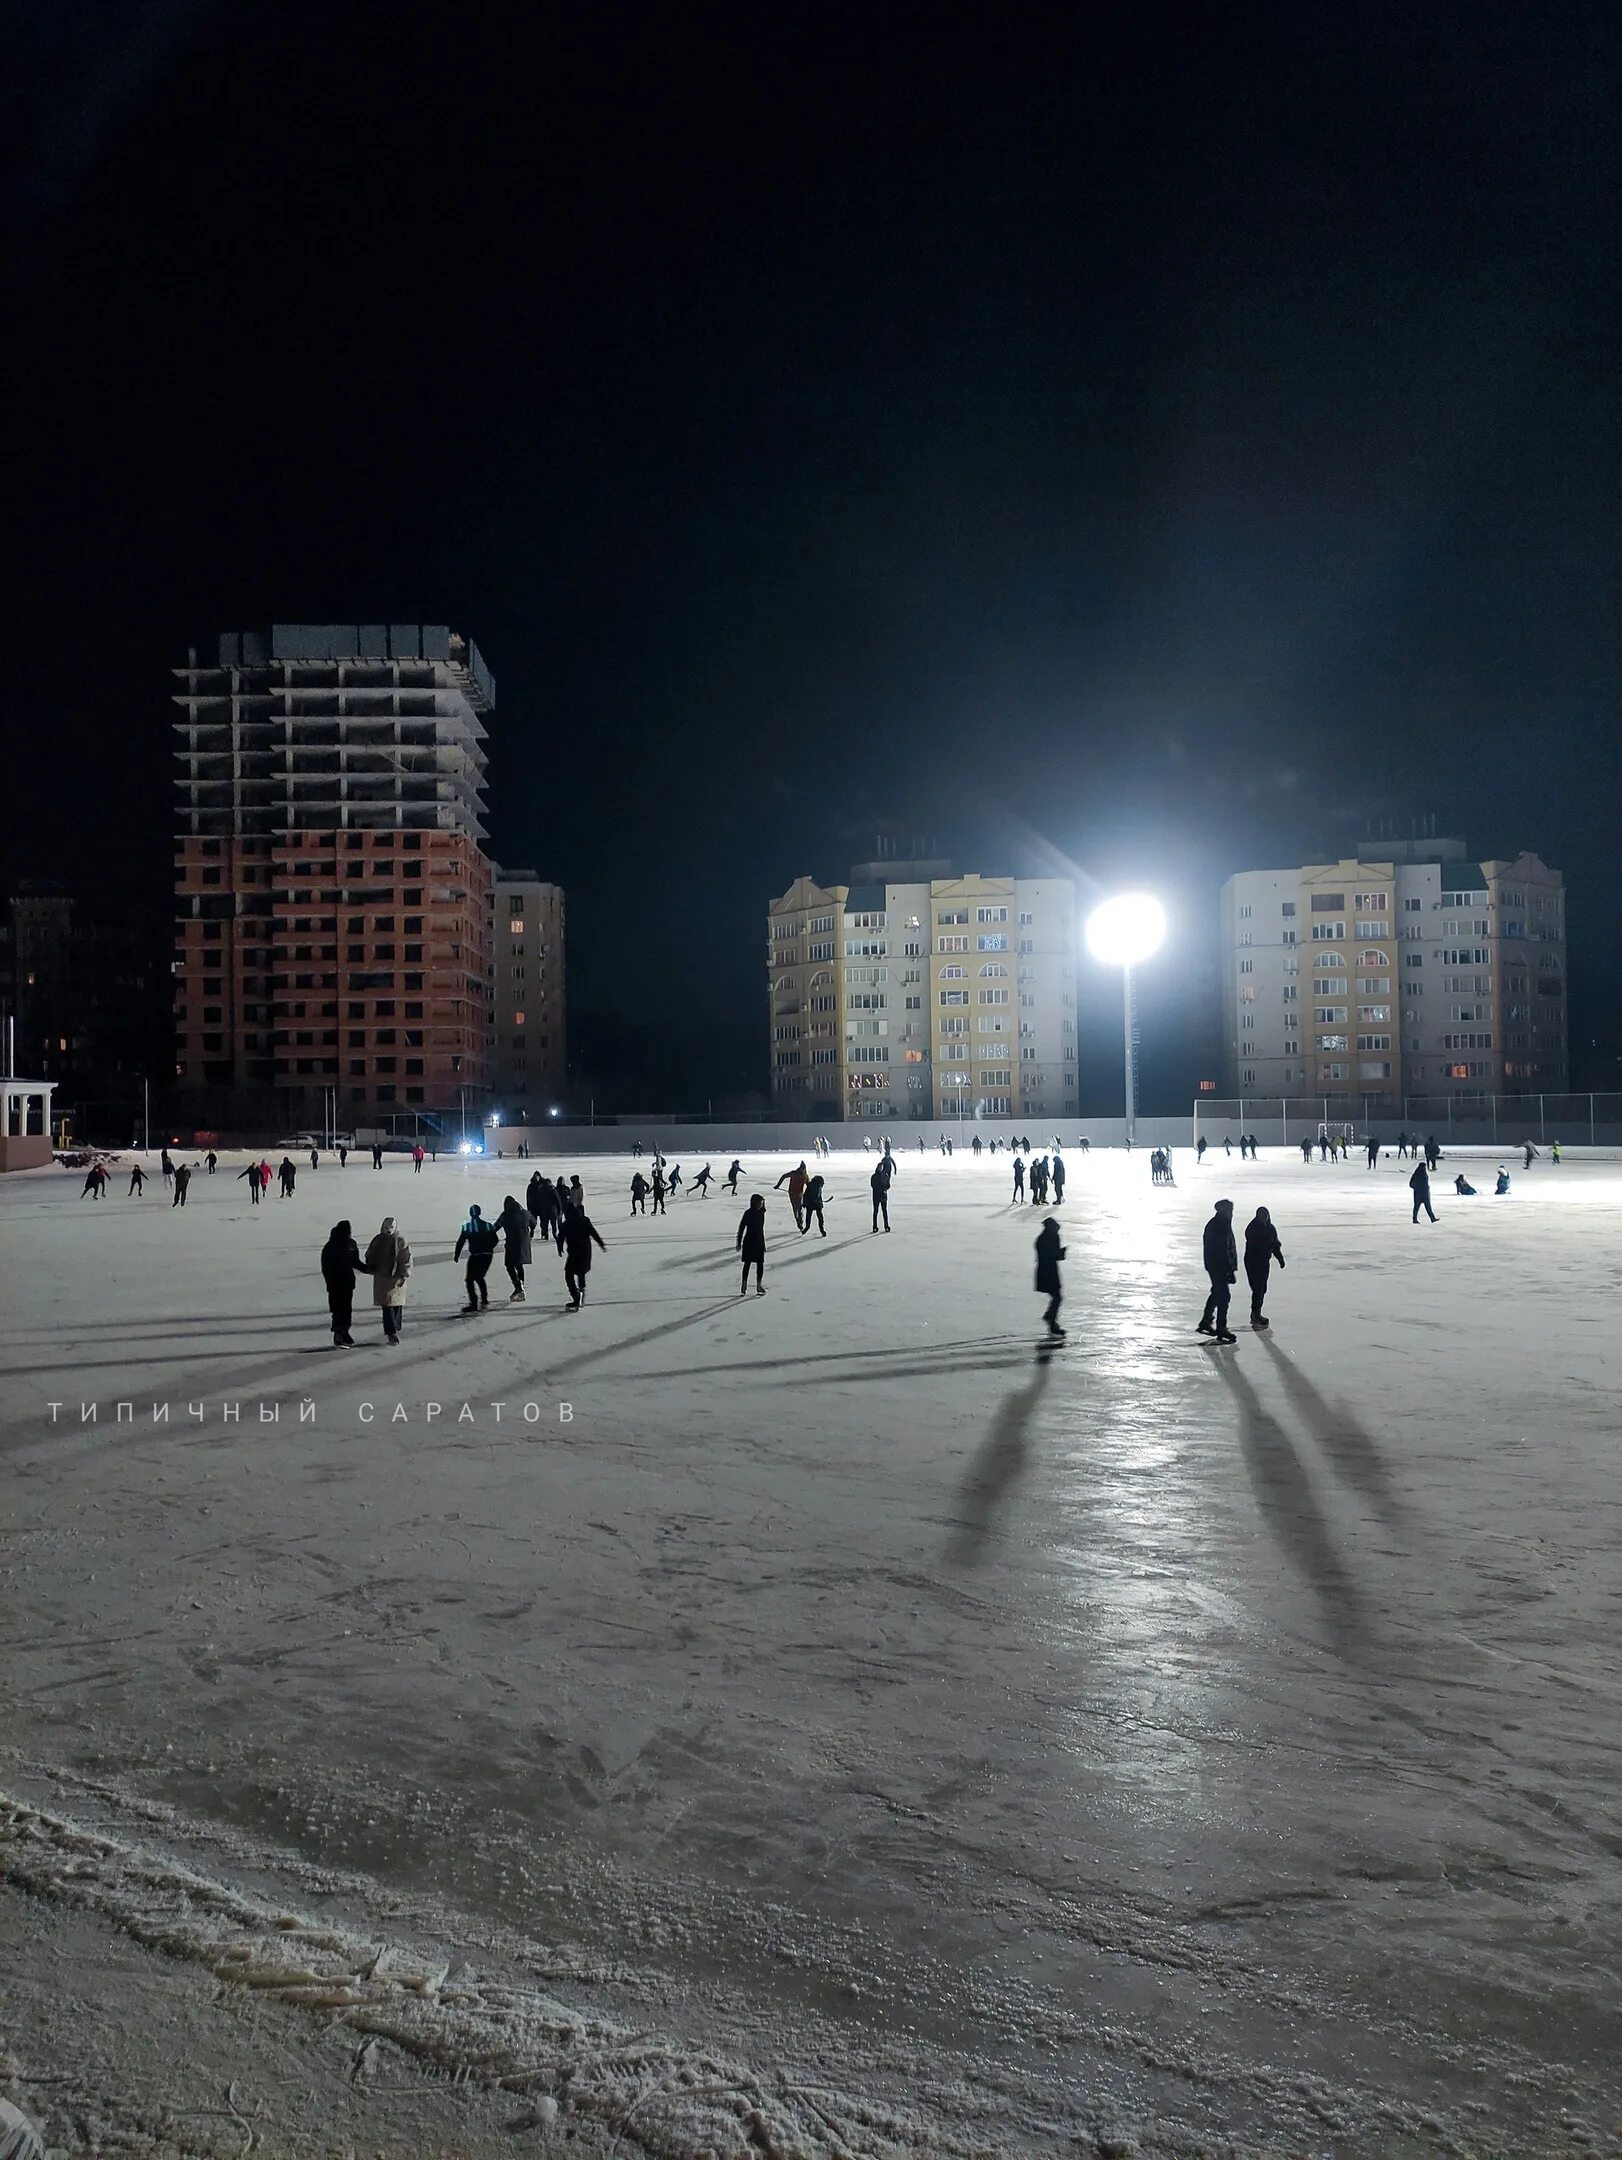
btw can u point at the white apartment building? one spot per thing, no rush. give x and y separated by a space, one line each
1407 970
923 997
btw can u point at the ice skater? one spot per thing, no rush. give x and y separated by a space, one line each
1373 1153
750 1242
658 1188
1420 1186
340 1264
735 1172
675 1179
1200 1146
1306 1150
182 1185
419 1156
880 1187
252 1176
1221 1259
137 1181
1058 1179
211 1159
1262 1248
811 1207
639 1194
579 1236
1433 1151
289 1177
796 1180
315 1158
515 1249
701 1184
94 1182
1502 1186
166 1166
478 1239
388 1262
1049 1252
1019 1177
535 1199
1528 1151
1463 1187
377 1154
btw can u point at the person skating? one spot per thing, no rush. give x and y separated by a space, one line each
343 1158
252 1176
734 1172
211 1159
167 1167
419 1155
701 1184
1262 1248
796 1180
1402 1147
340 1264
479 1239
388 1262
535 1200
579 1236
1527 1152
639 1194
1049 1252
1019 1177
315 1158
1200 1146
1373 1153
377 1154
94 1180
880 1186
750 1242
515 1251
560 1213
811 1207
1221 1258
182 1183
1420 1186
1433 1151
658 1189
137 1181
1502 1186
1306 1151
546 1205
1058 1180
1554 1152
289 1177
974 1147
1463 1187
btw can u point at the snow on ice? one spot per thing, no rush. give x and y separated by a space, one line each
850 1729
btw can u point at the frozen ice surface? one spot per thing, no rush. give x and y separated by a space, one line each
853 1732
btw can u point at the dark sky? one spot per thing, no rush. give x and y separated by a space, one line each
1171 437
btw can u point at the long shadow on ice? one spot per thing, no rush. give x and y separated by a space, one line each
1001 1460
1290 1509
1350 1450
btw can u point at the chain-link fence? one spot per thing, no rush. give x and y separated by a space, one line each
1486 1120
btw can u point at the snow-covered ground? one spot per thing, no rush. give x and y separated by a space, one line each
852 1731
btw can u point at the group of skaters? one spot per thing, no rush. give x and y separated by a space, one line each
1220 1254
1248 1145
1045 1176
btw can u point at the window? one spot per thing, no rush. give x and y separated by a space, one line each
1374 1069
516 927
954 974
992 971
1371 929
952 915
952 944
994 997
994 941
820 952
1333 1042
1288 910
1374 1012
1322 931
867 921
1328 903
1461 899
1290 993
1374 1042
821 922
1332 1072
1412 906
954 997
1244 914
1247 967
991 914
1371 903
1026 920
858 949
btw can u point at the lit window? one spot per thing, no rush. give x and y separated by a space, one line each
518 1019
516 926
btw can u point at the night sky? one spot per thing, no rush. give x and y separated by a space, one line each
1164 439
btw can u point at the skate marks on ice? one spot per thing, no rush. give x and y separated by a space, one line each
645 2091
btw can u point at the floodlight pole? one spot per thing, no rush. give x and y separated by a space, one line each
1131 1059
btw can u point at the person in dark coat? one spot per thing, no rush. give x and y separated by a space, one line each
182 1184
1058 1180
1221 1259
94 1179
880 1186
479 1239
1049 1252
1019 1177
1433 1152
1373 1153
252 1176
811 1206
579 1236
751 1242
315 1158
560 1195
658 1188
211 1159
733 1175
166 1166
137 1180
701 1184
1262 1248
289 1177
639 1194
535 1200
515 1251
1420 1186
1463 1187
340 1264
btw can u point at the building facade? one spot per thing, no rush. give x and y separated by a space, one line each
928 996
333 895
1407 970
86 988
526 943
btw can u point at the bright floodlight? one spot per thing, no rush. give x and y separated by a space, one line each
1127 929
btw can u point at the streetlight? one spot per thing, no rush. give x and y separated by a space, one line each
1121 932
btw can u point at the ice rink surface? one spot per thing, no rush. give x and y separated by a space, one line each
854 1731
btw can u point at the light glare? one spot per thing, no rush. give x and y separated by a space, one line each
1125 930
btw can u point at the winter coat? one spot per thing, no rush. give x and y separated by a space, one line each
1221 1253
340 1264
1049 1252
751 1238
388 1261
515 1232
812 1203
1420 1182
1262 1247
478 1236
579 1235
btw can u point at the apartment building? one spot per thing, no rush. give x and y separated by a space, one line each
333 897
923 995
1405 970
526 943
